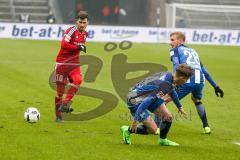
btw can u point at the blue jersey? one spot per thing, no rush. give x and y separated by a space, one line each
183 54
152 86
145 94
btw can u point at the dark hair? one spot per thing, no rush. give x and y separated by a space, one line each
184 70
82 15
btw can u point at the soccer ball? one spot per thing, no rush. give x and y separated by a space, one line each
32 115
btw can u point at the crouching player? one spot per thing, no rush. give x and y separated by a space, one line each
148 95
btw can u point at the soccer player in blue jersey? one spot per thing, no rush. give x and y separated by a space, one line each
148 95
181 54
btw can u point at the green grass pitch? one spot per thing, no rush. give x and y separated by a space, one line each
25 67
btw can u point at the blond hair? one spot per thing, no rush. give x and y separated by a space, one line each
180 35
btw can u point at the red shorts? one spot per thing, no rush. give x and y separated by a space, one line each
68 72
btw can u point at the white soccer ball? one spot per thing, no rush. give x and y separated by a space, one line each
32 115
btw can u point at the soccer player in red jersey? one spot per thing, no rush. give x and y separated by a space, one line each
67 67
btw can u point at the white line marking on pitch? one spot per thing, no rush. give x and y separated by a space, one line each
237 143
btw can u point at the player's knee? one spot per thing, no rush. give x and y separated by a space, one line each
152 131
168 117
77 81
77 86
59 95
193 99
196 101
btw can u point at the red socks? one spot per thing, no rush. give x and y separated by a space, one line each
58 101
71 92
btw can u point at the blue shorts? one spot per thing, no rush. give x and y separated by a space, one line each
194 88
145 114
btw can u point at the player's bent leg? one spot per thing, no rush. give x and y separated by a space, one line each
76 80
125 131
149 125
165 125
60 77
157 120
125 134
58 100
71 92
202 114
65 106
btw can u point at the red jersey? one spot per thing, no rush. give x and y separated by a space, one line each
69 52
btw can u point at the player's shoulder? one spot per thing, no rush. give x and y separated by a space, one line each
182 48
174 51
167 76
71 30
186 48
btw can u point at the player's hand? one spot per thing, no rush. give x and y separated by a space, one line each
82 48
219 91
166 98
134 126
181 111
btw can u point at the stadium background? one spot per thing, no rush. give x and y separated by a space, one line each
212 28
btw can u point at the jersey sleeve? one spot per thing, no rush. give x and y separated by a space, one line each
174 58
168 77
143 106
208 76
175 99
65 43
173 93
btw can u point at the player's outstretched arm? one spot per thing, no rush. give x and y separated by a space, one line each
175 99
177 102
208 76
217 89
